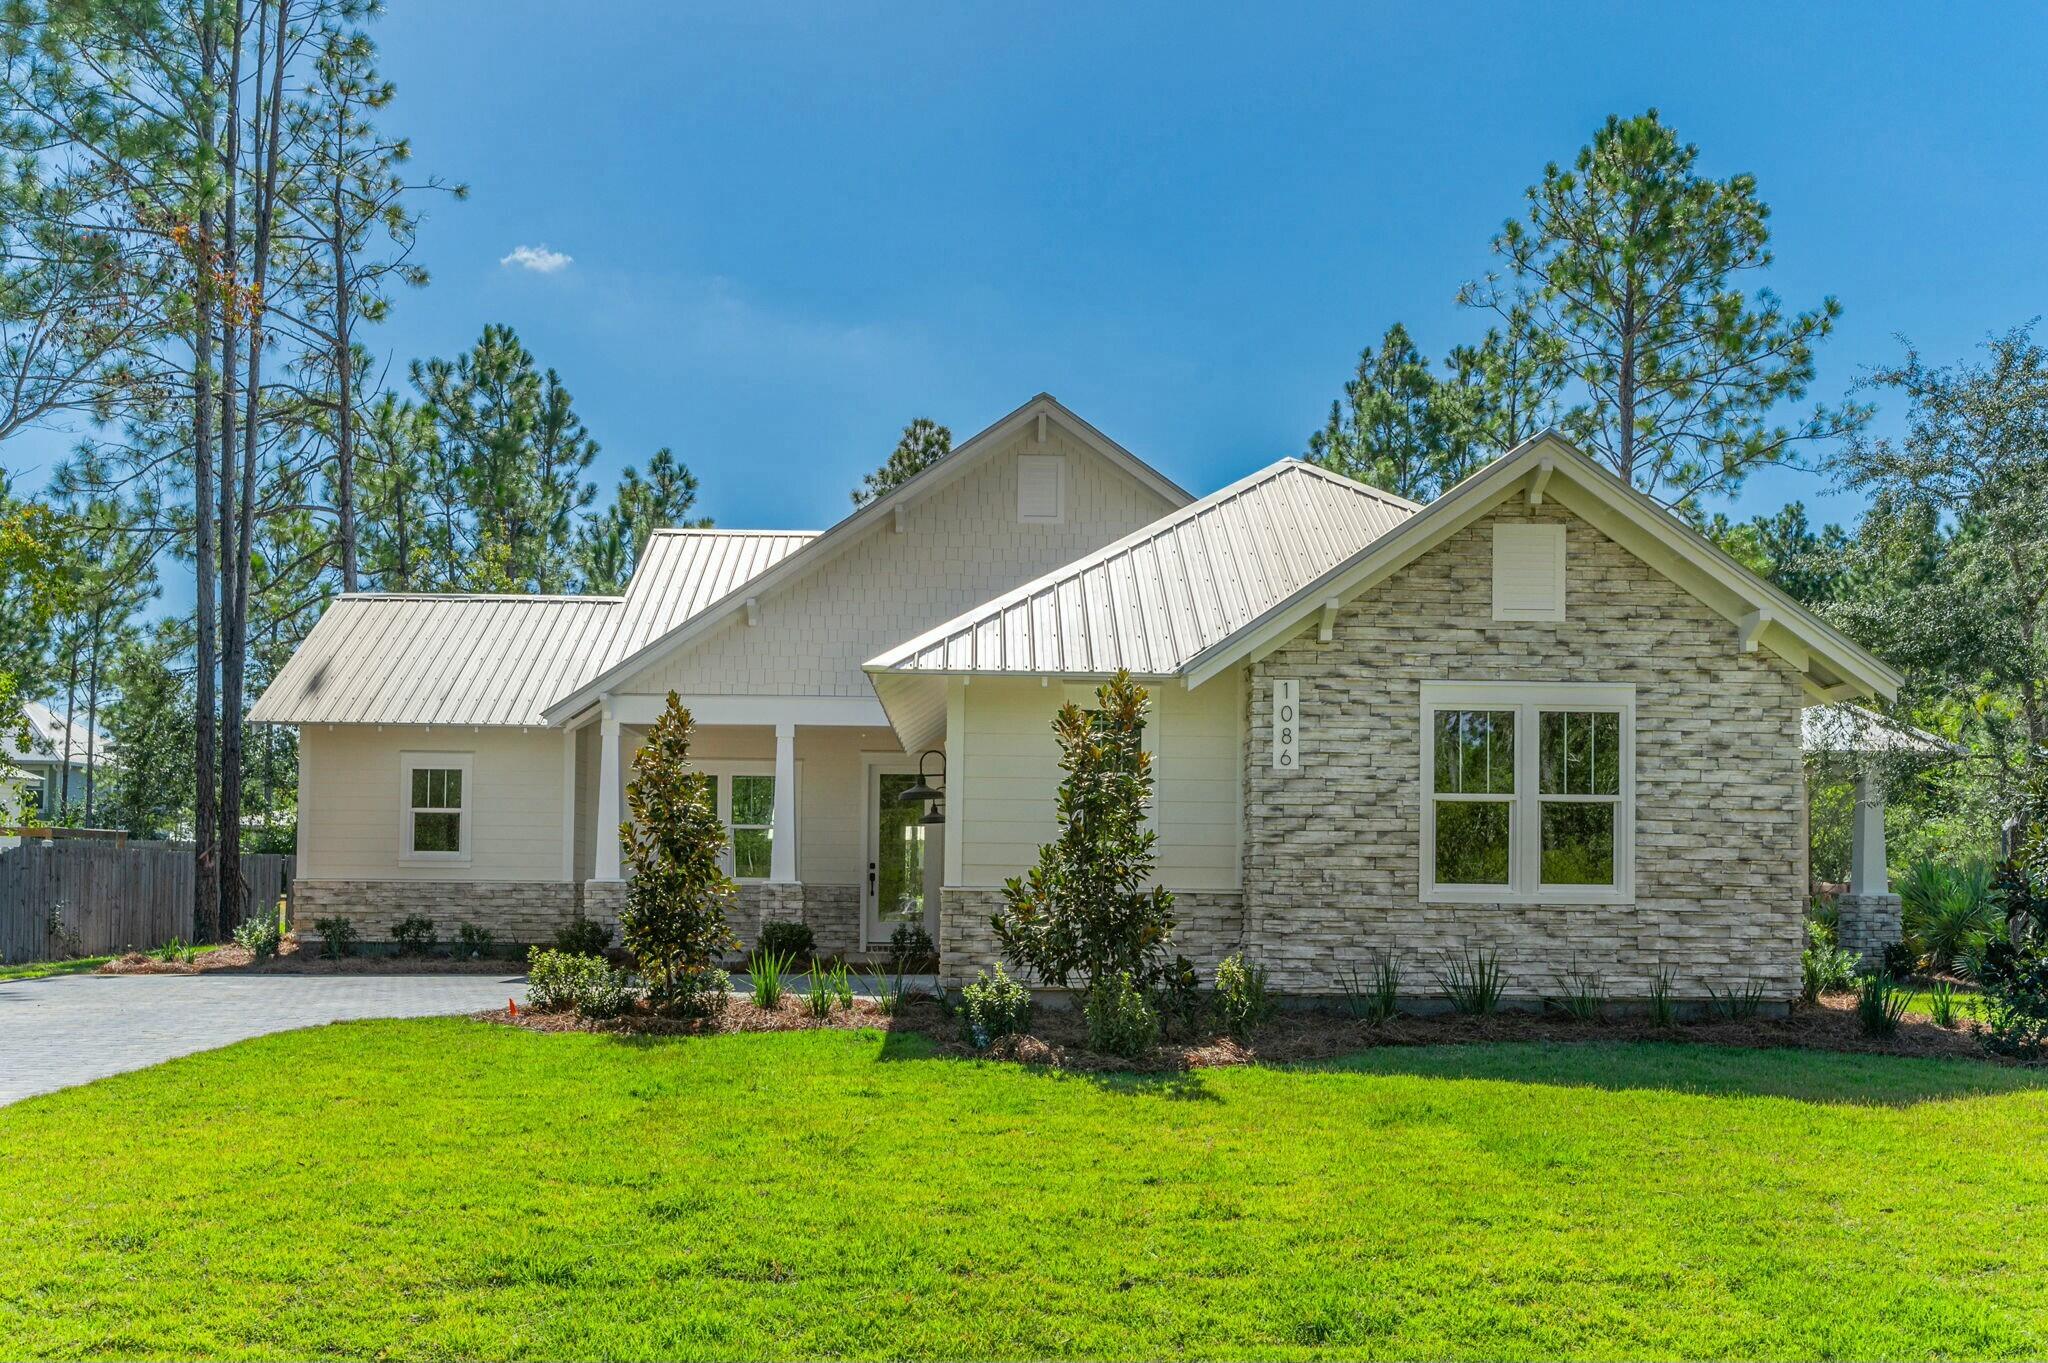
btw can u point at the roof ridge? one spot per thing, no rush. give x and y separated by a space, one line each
725 530
478 596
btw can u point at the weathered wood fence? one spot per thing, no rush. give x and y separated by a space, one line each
96 899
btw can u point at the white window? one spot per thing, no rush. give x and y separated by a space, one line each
743 793
435 797
1528 792
1528 572
1041 488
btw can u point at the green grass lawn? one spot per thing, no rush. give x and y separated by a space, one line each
37 970
451 1189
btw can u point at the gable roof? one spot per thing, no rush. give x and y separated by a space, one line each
1155 599
412 659
46 738
680 572
822 548
1834 666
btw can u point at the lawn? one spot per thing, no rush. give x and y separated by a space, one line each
38 970
448 1188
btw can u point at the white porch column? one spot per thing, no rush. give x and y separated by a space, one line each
1867 872
782 847
568 804
608 767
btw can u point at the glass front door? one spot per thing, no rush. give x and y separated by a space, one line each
897 857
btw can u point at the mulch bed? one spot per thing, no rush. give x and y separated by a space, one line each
1058 1039
292 960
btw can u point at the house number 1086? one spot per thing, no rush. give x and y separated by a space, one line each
1286 725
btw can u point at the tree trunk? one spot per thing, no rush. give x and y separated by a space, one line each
344 373
92 712
70 707
228 843
206 886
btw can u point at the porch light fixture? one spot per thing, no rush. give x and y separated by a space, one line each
933 796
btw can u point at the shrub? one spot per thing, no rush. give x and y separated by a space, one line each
764 972
791 941
176 950
560 982
2015 997
993 1007
260 936
674 919
1242 997
1824 968
1377 997
1179 997
1474 982
693 993
829 989
1736 1004
910 945
581 936
1663 1010
1082 913
337 937
415 935
1880 1004
1941 1003
474 943
1121 1021
1897 960
1583 994
1946 910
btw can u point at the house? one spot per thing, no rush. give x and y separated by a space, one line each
1538 716
54 757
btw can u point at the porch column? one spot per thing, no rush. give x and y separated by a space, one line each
608 766
782 847
1867 872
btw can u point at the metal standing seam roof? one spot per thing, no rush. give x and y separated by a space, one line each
683 571
1155 599
46 737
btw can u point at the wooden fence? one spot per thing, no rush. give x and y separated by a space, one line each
106 899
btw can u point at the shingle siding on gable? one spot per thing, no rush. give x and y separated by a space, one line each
961 546
1332 854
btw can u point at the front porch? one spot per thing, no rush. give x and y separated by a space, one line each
807 788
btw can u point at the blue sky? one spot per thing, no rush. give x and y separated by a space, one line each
790 230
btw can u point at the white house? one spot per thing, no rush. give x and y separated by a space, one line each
1538 715
51 764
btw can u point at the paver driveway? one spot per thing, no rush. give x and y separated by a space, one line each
66 1030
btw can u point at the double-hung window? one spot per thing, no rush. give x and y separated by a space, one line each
743 794
1528 792
435 798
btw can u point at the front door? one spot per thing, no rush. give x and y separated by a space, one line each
904 857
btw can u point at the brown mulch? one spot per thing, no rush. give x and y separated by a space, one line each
293 960
1058 1038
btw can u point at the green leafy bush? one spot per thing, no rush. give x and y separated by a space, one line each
674 918
581 936
1474 982
561 982
415 935
1898 960
337 937
910 947
1824 968
1242 997
764 973
1880 1004
1121 1020
1179 998
790 940
1582 994
1375 997
1947 910
693 993
993 1007
260 936
2015 984
473 942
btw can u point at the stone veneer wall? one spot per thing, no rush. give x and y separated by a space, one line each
1333 851
516 911
1211 926
1867 924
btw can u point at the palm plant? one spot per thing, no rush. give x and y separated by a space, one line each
1947 910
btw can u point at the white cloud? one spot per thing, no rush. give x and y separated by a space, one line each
538 259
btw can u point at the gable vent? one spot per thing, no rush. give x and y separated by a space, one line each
1528 572
1041 488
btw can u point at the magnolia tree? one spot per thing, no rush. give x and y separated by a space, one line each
1083 914
674 919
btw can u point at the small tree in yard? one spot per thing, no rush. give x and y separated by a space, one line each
1082 914
674 919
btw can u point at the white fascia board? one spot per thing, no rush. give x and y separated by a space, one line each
835 711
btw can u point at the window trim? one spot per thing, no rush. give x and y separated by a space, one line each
725 770
409 762
1525 806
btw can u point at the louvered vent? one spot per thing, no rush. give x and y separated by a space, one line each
1528 572
1041 488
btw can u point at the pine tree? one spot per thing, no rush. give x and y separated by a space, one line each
1385 429
608 547
674 919
924 443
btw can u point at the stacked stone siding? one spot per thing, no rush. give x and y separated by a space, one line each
1868 923
517 912
1333 851
1211 926
833 912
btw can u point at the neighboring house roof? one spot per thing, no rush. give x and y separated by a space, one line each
1843 729
46 738
683 571
403 659
825 546
1156 599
